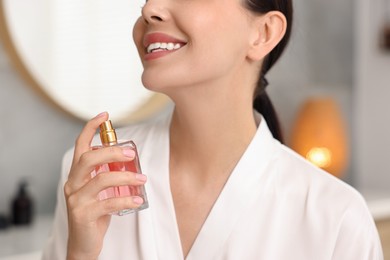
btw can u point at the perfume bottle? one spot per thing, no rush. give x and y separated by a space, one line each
109 138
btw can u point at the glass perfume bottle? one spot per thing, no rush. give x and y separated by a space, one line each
109 138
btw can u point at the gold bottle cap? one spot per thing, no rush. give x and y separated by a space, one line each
107 133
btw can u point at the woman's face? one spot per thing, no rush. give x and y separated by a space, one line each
191 42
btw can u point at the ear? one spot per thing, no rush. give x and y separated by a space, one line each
268 31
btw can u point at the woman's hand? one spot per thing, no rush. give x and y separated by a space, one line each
89 217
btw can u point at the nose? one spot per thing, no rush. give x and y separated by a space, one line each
154 11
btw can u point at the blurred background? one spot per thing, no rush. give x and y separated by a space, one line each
340 50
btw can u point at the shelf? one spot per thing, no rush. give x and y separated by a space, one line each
25 239
378 203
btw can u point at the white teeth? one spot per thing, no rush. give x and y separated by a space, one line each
170 46
160 46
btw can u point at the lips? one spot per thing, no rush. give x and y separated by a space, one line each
159 44
162 46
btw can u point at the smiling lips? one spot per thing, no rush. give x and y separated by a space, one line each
159 44
162 46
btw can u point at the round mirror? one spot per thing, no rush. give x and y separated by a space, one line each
80 54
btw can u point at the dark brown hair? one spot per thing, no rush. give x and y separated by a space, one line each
262 102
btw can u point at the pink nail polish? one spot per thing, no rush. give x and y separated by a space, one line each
129 152
138 200
140 177
101 114
109 138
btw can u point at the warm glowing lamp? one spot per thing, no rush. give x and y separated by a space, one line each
319 135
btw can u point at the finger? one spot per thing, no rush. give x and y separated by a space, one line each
88 194
88 161
106 180
113 205
83 142
94 210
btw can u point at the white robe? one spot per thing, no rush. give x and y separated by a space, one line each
275 206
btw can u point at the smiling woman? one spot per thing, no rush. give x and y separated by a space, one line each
79 55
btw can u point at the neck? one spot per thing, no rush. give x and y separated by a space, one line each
209 136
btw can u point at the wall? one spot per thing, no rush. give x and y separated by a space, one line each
319 59
33 138
372 94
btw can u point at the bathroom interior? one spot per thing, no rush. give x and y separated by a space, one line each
340 51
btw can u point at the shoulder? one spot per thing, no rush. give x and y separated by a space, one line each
328 203
294 180
320 190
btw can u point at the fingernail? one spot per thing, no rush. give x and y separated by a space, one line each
129 153
101 114
138 200
140 177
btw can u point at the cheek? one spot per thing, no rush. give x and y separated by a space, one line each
138 32
222 48
215 35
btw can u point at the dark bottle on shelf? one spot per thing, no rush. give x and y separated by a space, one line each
22 206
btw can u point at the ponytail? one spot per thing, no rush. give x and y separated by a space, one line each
264 106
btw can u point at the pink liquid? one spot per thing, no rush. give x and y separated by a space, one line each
119 191
122 191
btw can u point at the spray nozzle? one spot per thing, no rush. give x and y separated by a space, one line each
107 133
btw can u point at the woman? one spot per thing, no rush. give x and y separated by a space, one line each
220 185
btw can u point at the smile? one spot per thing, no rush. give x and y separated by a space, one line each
163 46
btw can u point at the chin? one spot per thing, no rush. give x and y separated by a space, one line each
155 84
160 82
